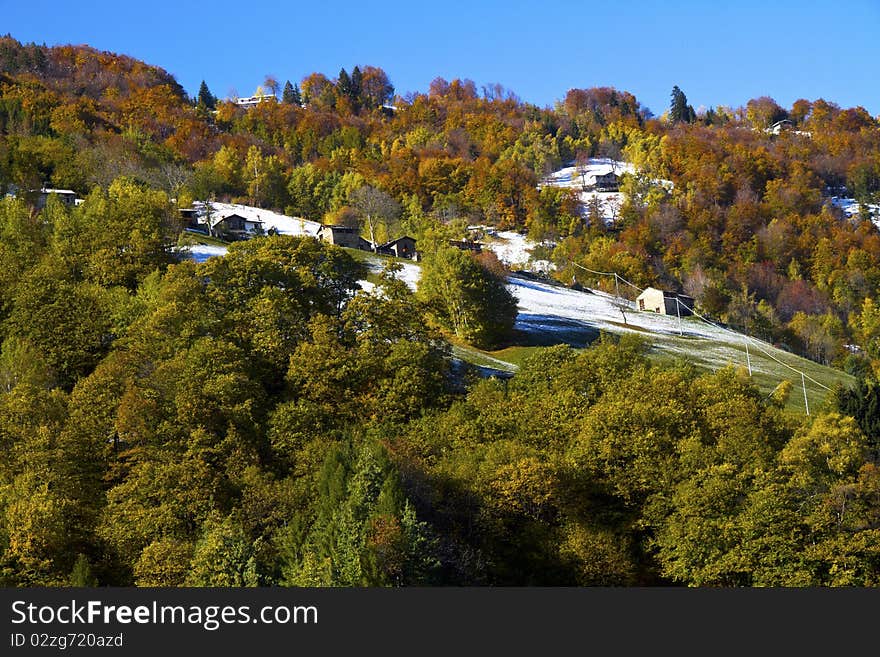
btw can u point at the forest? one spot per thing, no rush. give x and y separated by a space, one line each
260 420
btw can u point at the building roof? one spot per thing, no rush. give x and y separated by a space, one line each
253 100
240 216
282 223
47 190
340 229
466 244
666 293
396 240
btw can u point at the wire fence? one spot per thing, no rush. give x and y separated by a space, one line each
747 339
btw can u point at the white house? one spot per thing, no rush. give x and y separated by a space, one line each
253 101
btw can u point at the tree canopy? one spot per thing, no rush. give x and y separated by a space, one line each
268 418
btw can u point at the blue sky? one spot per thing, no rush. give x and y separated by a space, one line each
718 55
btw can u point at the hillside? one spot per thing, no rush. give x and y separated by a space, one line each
759 225
551 314
176 410
580 177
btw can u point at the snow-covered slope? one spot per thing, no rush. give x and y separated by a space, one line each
850 208
516 251
582 176
552 314
409 274
201 252
280 222
540 301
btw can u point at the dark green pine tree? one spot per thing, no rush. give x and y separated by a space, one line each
356 87
679 110
205 98
290 95
862 402
343 84
82 576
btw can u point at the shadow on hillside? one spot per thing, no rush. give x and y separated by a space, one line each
534 330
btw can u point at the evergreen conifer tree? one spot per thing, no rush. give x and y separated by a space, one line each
81 575
356 87
205 98
288 96
679 110
343 85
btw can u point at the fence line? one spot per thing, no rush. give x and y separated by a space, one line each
747 338
609 273
755 342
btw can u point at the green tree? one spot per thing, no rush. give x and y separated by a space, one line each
67 324
357 82
267 290
813 522
21 363
343 84
164 562
679 110
383 365
163 496
863 182
464 297
311 191
862 403
290 95
225 556
366 532
205 98
23 240
117 236
81 575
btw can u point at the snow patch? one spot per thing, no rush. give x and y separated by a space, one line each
515 250
410 274
557 314
201 252
582 178
282 223
579 176
850 208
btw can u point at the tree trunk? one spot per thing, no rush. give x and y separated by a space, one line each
373 246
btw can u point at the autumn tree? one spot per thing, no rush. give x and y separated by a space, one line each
377 209
763 112
270 84
376 88
318 91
